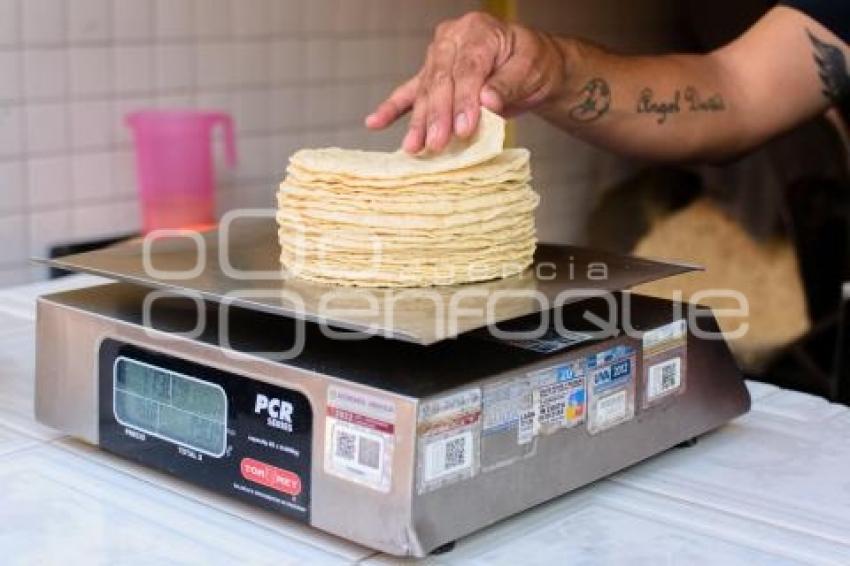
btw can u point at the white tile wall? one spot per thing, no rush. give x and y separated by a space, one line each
132 69
48 182
43 21
45 73
13 234
9 27
90 70
293 73
11 129
91 175
11 186
174 18
47 127
10 82
88 21
132 20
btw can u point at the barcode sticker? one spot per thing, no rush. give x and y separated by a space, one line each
448 456
664 378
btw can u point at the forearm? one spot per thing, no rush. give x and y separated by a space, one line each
786 69
672 107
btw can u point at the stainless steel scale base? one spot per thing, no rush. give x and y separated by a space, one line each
398 445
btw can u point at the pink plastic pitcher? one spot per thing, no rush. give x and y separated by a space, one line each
175 167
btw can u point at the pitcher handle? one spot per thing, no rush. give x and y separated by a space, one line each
229 138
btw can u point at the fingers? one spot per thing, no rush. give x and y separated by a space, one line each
470 71
473 61
506 85
439 88
445 97
491 99
414 141
396 105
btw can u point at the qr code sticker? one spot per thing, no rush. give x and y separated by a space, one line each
448 456
346 445
359 438
369 453
455 453
357 450
664 378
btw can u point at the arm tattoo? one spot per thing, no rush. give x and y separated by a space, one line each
594 101
832 68
689 100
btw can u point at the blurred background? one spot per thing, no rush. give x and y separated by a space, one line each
292 73
303 73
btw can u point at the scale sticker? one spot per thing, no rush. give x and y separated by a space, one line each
448 455
526 429
552 341
610 375
539 402
559 399
664 360
611 409
360 437
663 378
554 398
665 337
501 405
448 431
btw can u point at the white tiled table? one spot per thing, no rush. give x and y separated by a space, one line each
772 487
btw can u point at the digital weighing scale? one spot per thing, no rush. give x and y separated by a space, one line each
202 361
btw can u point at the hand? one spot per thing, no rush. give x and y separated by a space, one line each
472 61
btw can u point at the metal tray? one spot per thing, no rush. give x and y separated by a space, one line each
238 265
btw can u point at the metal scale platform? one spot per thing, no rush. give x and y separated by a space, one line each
399 419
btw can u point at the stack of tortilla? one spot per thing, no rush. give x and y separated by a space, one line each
377 219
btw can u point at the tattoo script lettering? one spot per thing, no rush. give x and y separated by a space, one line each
648 105
594 100
687 100
832 68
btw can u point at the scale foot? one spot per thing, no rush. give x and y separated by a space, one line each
448 547
688 443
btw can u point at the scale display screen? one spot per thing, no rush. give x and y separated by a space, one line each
170 405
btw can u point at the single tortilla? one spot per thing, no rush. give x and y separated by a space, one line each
484 145
510 164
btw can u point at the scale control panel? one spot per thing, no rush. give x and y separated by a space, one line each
237 436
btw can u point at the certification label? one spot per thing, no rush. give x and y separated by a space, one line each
502 403
665 361
448 439
610 375
360 437
554 398
517 410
